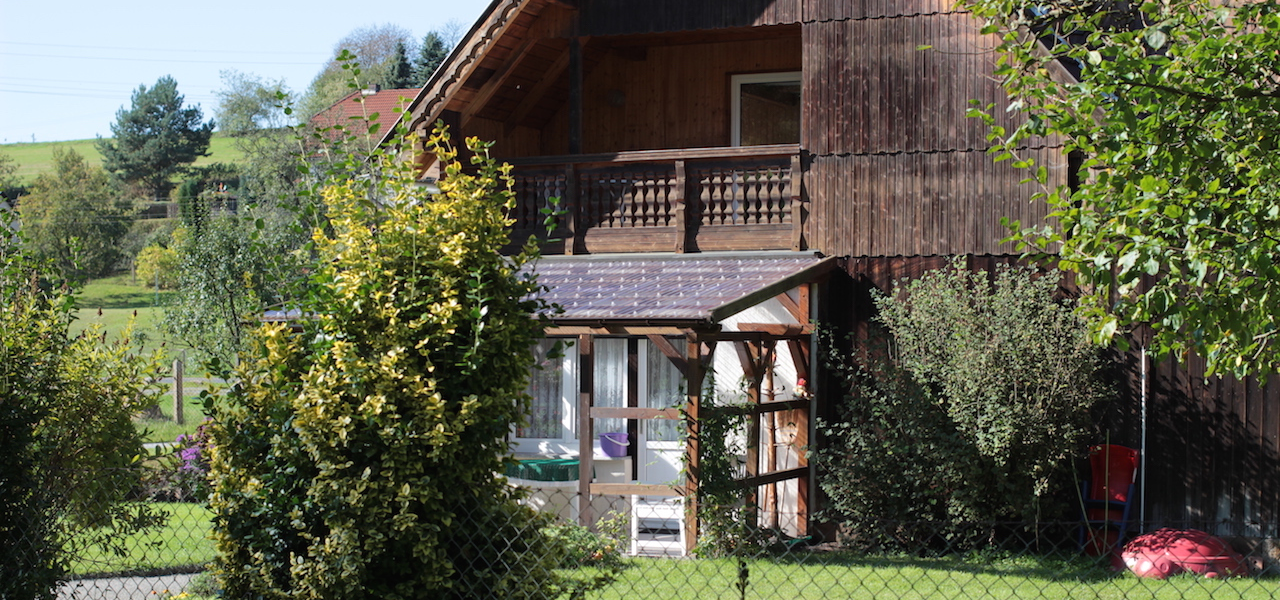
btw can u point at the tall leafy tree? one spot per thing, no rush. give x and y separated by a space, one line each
248 104
373 46
1174 107
430 55
74 216
155 139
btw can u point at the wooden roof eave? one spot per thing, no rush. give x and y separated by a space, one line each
461 63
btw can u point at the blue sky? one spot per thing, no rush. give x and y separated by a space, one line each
67 67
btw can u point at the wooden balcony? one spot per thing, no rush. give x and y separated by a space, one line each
689 200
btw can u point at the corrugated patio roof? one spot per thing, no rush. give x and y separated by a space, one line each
705 287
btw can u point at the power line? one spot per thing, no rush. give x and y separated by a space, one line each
157 60
253 52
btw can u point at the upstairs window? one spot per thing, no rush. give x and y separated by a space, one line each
766 109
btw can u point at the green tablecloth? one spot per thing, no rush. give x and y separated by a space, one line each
545 469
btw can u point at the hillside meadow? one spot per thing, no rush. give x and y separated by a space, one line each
36 158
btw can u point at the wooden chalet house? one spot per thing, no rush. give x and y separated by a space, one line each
731 171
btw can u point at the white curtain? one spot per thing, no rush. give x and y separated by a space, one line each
665 390
545 386
610 380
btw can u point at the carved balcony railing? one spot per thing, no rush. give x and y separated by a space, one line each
701 199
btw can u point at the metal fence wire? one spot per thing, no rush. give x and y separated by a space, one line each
634 547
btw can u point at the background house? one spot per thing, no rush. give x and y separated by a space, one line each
834 128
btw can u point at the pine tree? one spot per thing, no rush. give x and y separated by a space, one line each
155 139
433 53
399 71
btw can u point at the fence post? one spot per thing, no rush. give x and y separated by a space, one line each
178 399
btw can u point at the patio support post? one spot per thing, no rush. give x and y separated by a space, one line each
586 392
692 408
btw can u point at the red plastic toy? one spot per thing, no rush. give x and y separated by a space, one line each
1167 552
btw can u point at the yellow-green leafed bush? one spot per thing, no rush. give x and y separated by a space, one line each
357 458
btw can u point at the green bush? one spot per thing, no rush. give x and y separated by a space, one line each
67 440
974 409
359 458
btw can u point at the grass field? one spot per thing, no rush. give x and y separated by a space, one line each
114 301
840 576
36 158
182 540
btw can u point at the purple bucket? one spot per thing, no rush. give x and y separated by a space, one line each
614 444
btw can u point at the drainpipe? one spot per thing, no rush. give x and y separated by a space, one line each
1142 451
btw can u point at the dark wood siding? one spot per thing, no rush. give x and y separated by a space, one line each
919 203
897 168
1213 446
620 17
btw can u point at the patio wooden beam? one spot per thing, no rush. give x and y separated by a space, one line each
774 477
586 391
789 303
693 454
800 357
779 330
617 412
496 81
669 350
637 489
549 78
606 329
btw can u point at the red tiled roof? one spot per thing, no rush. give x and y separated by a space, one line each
359 103
703 287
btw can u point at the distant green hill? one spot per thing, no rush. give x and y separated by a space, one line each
36 158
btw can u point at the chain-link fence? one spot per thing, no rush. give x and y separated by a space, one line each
150 546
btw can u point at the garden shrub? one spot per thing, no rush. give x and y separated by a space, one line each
359 457
68 444
972 409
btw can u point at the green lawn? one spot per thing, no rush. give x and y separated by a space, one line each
115 301
182 541
36 158
821 576
166 430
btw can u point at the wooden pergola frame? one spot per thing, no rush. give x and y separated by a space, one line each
756 345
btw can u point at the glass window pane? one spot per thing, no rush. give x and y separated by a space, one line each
770 113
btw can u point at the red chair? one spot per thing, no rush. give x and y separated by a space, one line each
1107 498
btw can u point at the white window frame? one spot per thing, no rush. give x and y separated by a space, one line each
735 96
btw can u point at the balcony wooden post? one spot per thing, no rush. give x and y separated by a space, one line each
797 203
570 205
682 219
